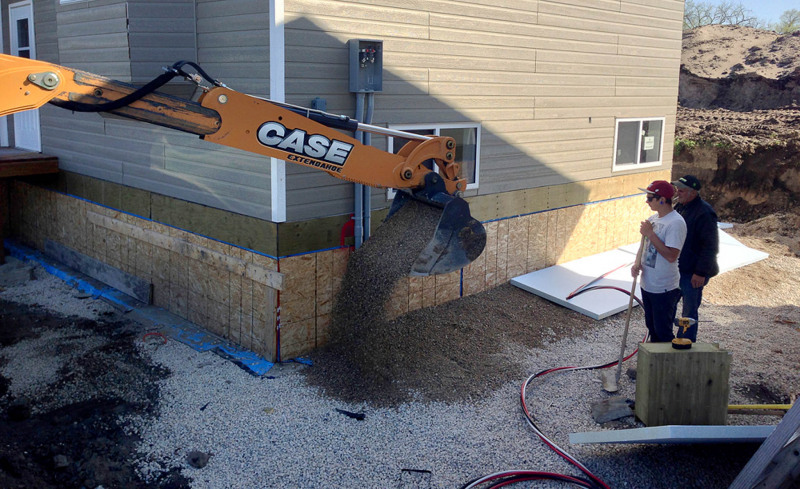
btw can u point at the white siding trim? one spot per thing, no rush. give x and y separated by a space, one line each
277 92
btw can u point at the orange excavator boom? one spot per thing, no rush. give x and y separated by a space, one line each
295 134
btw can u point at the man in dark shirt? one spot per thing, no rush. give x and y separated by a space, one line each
698 259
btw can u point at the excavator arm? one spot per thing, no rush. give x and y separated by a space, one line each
294 134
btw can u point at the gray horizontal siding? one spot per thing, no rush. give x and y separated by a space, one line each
131 41
546 79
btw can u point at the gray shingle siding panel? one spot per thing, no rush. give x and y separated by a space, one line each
546 79
131 41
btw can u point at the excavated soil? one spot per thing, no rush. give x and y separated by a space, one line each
68 434
738 123
739 68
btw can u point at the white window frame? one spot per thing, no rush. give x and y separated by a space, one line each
638 165
62 2
436 131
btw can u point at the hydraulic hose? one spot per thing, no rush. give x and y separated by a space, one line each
504 478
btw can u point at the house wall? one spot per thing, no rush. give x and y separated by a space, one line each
131 41
546 79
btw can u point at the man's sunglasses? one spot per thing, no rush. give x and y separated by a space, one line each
651 197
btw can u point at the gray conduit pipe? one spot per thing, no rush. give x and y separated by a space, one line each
358 190
367 194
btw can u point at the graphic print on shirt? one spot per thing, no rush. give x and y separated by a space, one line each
652 253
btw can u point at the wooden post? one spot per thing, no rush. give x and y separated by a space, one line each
682 387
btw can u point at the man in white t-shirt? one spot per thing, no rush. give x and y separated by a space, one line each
664 232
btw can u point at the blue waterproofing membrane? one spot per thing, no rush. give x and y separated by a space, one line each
151 316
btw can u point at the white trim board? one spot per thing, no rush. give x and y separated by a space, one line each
675 434
557 282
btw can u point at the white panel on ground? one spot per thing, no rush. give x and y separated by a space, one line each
556 283
676 434
611 268
732 253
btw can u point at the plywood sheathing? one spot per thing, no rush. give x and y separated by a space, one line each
230 290
307 299
225 289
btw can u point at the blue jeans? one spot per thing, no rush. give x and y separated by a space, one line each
691 303
659 314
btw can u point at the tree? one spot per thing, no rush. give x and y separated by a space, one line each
788 23
698 14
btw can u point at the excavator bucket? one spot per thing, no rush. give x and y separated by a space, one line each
458 239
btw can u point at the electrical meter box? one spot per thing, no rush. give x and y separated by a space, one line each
366 65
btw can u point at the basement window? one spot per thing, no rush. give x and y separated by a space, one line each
638 143
467 136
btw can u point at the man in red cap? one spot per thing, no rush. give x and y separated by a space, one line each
664 233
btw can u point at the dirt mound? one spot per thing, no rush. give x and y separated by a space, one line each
738 122
739 68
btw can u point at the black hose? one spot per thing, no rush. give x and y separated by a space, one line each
138 94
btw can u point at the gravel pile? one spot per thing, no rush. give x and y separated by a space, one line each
262 432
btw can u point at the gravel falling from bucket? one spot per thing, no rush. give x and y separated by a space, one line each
360 343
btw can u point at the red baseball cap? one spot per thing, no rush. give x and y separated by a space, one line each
662 188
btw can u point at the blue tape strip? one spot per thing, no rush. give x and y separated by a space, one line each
196 339
27 254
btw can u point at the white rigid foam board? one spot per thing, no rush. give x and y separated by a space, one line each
676 434
557 282
732 253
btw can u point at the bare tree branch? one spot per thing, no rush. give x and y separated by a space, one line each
698 14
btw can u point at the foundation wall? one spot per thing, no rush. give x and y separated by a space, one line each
281 307
228 290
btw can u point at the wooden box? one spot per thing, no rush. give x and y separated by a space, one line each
682 387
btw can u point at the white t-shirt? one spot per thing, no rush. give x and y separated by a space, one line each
659 275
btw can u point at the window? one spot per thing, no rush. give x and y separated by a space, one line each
638 143
467 138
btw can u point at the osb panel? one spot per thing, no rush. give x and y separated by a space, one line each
397 304
448 287
264 319
517 245
553 252
198 308
537 241
568 221
323 329
475 276
324 276
178 300
298 294
218 314
297 338
415 293
144 262
491 254
161 294
502 252
428 291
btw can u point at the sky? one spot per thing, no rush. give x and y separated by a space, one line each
767 10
